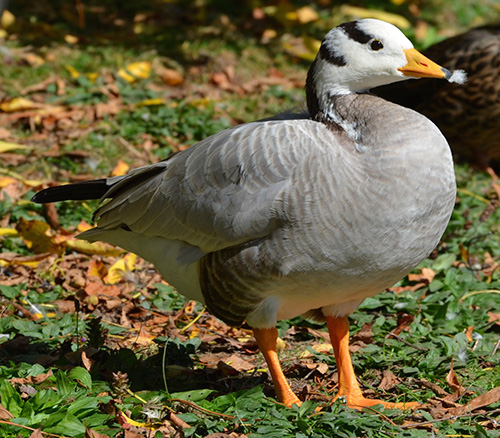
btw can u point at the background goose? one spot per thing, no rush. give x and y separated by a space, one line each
279 218
467 115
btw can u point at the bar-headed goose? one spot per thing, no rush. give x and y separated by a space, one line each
279 218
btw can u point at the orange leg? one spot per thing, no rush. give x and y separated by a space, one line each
266 341
348 384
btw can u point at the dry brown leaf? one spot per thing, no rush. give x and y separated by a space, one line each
171 77
468 333
494 317
481 401
365 335
426 275
86 361
237 363
92 289
89 433
5 414
144 337
65 306
97 269
454 383
37 434
226 435
31 380
389 381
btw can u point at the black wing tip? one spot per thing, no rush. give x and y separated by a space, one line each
81 191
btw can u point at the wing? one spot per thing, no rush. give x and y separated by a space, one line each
220 192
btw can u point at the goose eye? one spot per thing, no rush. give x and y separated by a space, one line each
377 45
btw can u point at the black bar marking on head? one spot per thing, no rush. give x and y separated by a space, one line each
329 56
352 30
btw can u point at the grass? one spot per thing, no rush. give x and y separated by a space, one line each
80 354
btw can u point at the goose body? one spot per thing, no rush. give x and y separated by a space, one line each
467 114
279 218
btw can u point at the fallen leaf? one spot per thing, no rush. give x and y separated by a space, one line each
134 71
97 289
7 146
237 363
389 380
72 71
358 12
494 317
481 401
453 382
318 348
90 248
170 77
468 333
38 236
37 434
71 39
144 337
306 14
8 19
97 269
19 104
31 380
8 232
120 268
120 169
89 433
5 414
426 275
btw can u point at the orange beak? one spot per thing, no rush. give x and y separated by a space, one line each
419 66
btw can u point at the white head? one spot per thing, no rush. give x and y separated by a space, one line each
364 54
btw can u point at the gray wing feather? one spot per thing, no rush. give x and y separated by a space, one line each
221 191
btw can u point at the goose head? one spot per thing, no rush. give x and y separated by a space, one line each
364 54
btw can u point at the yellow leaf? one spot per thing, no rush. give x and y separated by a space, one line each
8 19
134 71
72 71
299 51
269 34
33 59
118 270
39 237
98 248
202 102
3 34
7 147
18 104
306 14
26 182
71 39
135 423
150 102
83 226
92 77
6 180
318 348
8 232
312 44
120 169
357 12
